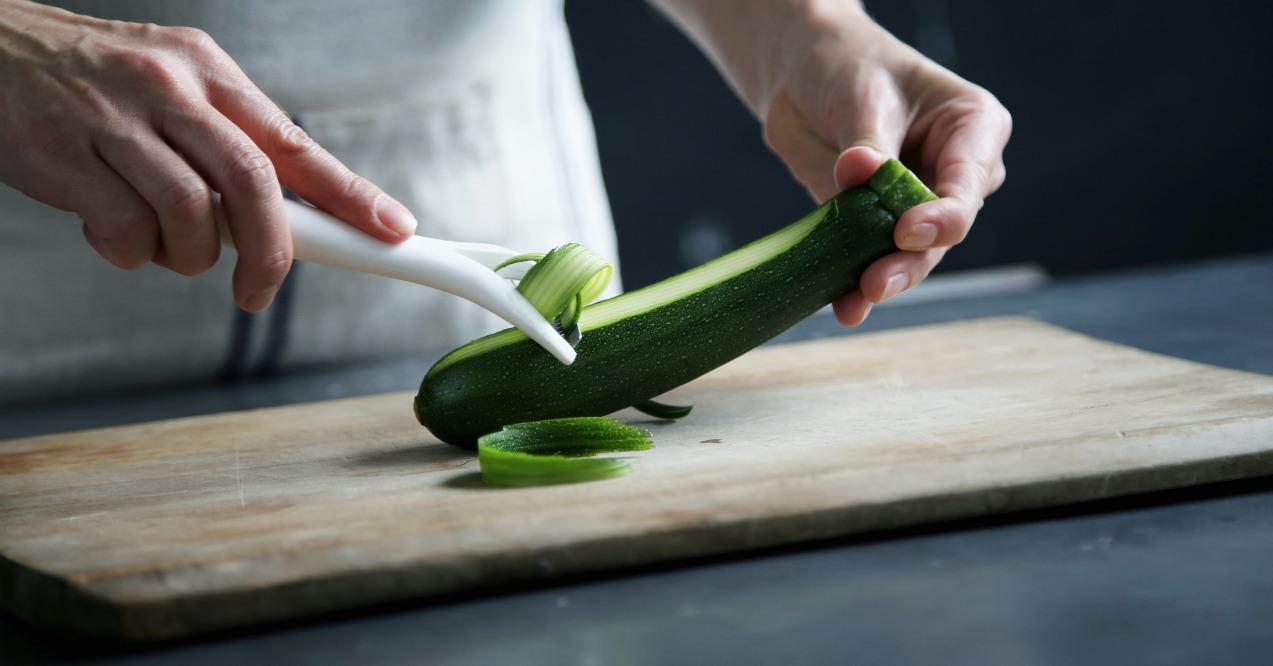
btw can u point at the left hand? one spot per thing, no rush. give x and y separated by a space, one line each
851 96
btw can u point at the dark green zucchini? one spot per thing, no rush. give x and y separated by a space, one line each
643 343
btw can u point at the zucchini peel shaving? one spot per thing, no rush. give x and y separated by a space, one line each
557 451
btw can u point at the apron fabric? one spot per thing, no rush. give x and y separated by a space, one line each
469 112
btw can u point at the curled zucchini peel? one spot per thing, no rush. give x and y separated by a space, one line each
557 451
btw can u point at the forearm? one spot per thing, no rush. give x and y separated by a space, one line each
752 42
836 94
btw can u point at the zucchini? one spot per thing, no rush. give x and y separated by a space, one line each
645 342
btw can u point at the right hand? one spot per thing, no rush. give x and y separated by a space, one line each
133 127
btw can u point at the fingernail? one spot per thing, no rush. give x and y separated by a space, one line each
260 300
865 313
921 236
896 283
395 216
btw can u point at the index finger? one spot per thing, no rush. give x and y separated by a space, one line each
969 160
250 194
966 152
307 169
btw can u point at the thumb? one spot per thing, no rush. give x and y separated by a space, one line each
868 127
856 165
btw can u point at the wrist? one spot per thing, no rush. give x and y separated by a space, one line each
801 28
746 41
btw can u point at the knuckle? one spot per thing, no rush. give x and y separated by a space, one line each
151 68
975 173
965 110
1005 116
186 199
251 169
273 264
358 188
980 169
286 136
141 30
985 102
193 40
997 176
823 17
984 99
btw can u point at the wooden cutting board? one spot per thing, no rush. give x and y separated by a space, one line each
182 526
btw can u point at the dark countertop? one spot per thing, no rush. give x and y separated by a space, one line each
1179 577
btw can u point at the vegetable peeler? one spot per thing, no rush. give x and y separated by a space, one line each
462 269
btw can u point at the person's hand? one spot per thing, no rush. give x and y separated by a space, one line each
133 127
854 95
837 94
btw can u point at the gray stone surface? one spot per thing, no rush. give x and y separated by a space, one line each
1172 578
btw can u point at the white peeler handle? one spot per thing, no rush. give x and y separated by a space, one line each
322 239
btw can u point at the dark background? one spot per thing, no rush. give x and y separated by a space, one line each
1140 131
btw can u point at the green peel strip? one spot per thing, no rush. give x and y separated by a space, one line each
661 410
529 256
563 281
556 451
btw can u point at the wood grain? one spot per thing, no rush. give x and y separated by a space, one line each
184 526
